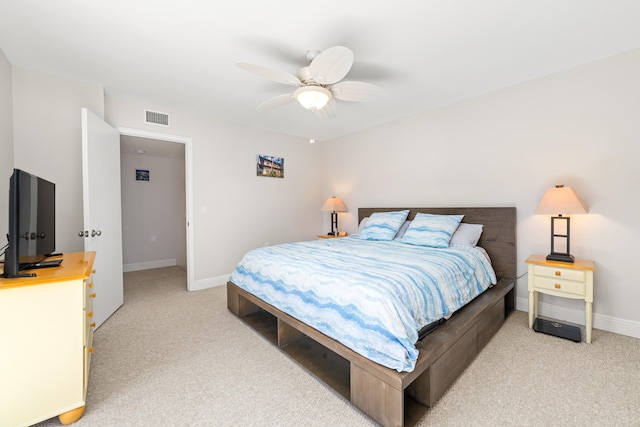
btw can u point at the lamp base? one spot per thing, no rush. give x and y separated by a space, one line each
554 256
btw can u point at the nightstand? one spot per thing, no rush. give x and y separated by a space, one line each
561 279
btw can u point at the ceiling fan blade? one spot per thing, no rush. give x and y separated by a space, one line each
270 73
356 91
331 65
328 111
276 102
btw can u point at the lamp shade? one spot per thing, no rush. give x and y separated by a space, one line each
561 200
334 204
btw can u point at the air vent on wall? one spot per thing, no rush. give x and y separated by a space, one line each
157 118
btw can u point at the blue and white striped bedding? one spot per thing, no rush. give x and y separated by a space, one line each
372 296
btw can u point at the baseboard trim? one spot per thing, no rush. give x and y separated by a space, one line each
616 325
211 282
148 265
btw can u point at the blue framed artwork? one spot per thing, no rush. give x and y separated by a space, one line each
142 175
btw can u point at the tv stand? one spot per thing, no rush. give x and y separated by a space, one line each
47 341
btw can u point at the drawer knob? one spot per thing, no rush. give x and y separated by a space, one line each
558 273
557 285
93 325
90 349
90 314
90 285
92 296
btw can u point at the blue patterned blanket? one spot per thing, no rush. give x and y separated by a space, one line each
371 296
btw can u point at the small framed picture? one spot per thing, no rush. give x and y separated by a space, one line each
142 175
270 166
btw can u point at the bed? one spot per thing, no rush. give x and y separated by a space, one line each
396 397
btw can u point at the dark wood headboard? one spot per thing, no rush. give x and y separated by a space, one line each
498 235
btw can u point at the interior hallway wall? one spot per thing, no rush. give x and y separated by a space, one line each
234 210
153 211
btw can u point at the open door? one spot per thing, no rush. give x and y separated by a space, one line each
102 230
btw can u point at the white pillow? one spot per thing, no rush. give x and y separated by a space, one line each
467 234
383 225
362 224
432 230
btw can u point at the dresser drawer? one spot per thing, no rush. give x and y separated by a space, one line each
560 285
88 351
89 293
559 273
88 302
88 331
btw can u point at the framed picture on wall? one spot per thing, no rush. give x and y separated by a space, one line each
270 166
142 175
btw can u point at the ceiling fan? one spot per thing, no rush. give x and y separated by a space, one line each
319 84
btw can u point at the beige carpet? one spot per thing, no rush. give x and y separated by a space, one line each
170 357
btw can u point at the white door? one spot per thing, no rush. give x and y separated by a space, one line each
101 209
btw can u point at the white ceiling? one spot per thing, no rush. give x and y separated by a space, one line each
425 54
133 145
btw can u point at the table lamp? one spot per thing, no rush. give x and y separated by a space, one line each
561 200
334 205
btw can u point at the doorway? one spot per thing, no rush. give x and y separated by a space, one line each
156 181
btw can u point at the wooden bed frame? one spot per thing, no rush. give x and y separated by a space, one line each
389 397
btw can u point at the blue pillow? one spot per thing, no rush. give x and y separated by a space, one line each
432 230
383 225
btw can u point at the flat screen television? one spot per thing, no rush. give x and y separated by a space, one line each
32 222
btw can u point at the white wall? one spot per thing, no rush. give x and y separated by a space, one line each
153 212
6 143
234 210
578 128
48 141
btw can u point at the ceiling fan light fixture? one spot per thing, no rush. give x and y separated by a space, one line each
312 97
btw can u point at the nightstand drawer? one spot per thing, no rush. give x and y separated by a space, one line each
559 273
559 285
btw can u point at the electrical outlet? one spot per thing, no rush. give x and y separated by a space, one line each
153 238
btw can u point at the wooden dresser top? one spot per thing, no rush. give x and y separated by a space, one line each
75 265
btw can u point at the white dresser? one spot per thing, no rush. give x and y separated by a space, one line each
46 342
